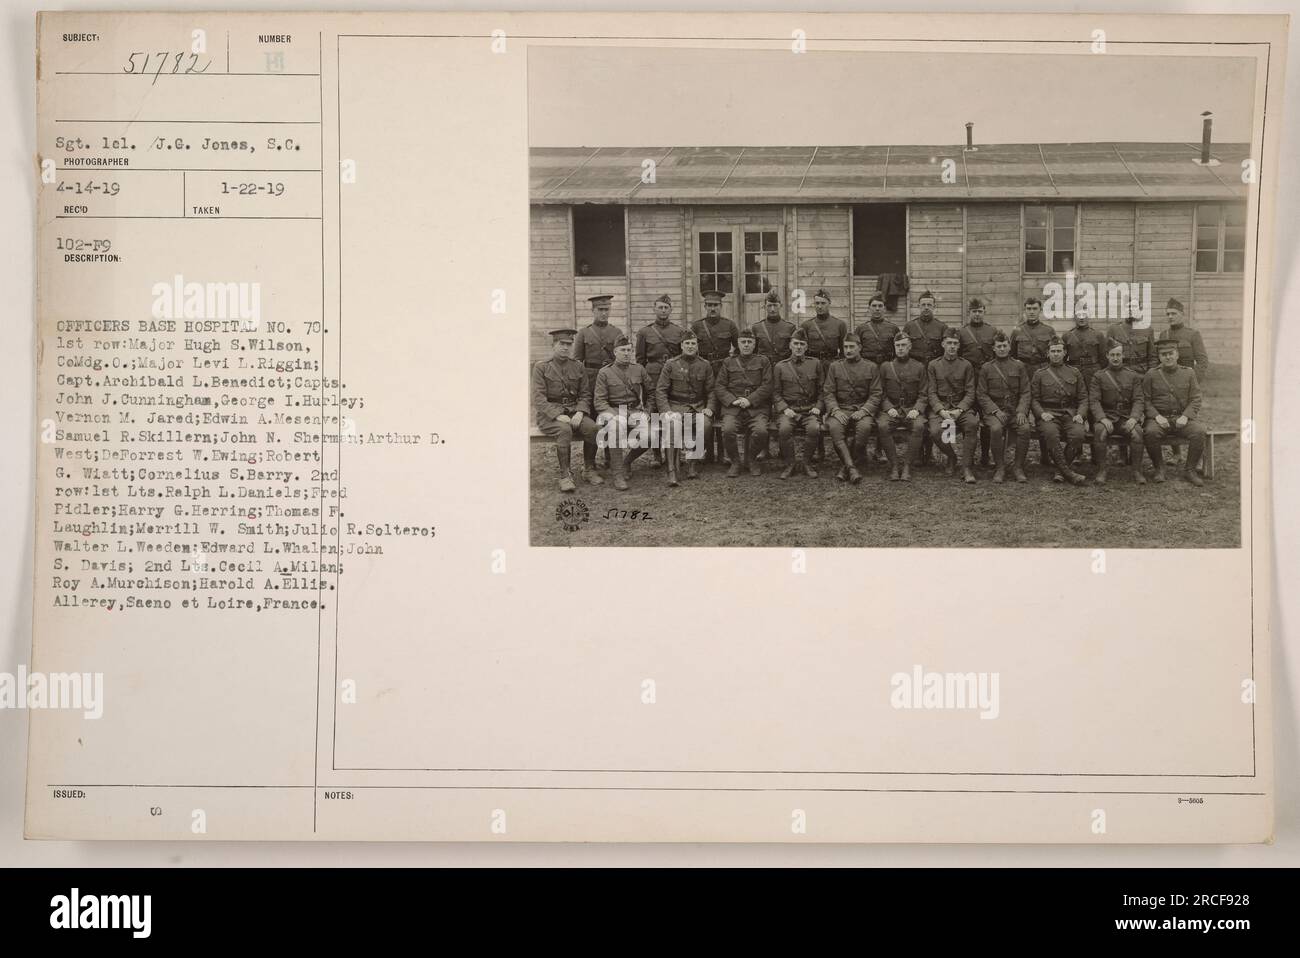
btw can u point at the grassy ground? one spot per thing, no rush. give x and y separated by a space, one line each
933 510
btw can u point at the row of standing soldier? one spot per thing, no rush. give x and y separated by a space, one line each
820 376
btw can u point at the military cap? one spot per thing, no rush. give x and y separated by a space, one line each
1055 341
853 338
1001 337
622 341
1166 344
602 298
712 294
746 333
773 297
664 299
975 303
562 333
925 295
902 337
1174 304
951 334
799 336
822 294
688 334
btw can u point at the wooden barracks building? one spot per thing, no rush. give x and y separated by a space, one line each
744 220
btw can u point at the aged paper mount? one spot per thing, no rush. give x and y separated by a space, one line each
307 566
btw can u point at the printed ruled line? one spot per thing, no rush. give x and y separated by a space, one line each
123 73
689 788
65 216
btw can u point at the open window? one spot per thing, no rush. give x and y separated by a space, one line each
879 239
599 243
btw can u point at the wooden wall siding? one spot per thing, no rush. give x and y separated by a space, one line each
1106 242
1218 312
823 256
935 257
863 287
657 259
1164 254
993 261
550 276
585 286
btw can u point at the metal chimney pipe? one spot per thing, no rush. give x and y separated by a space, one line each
1205 136
970 136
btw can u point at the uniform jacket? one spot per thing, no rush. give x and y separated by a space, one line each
877 340
1116 394
797 384
1171 393
685 382
976 343
1139 344
825 337
1086 347
594 345
747 377
716 339
852 385
559 388
1058 389
1191 348
657 344
1029 343
617 385
1003 386
773 339
903 385
950 384
927 338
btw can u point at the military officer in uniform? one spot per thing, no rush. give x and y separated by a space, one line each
1085 346
1117 406
951 400
1059 399
851 400
902 407
623 391
926 332
594 347
1191 348
975 345
1029 340
1172 398
656 343
877 333
825 332
559 386
717 337
772 335
1138 340
744 391
685 388
1002 390
796 395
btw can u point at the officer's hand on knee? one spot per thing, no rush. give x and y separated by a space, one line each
564 419
1181 420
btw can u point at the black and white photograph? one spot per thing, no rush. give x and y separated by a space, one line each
945 299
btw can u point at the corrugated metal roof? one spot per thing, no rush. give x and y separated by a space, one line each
807 174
